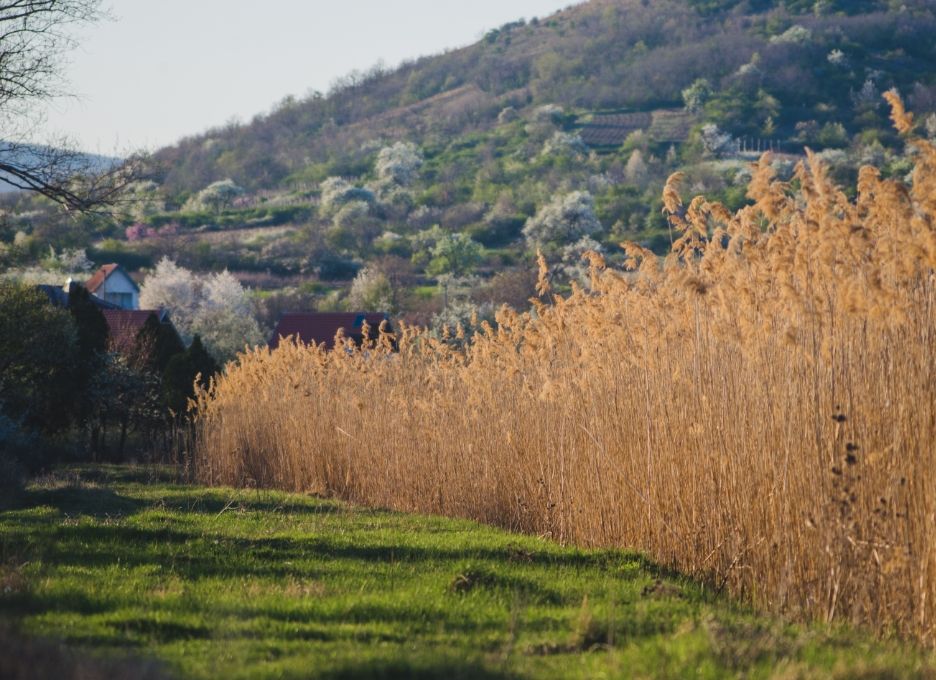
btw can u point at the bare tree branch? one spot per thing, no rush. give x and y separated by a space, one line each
33 40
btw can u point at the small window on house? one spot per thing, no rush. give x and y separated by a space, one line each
124 300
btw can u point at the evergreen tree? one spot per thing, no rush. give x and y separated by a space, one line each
91 343
89 321
156 344
178 379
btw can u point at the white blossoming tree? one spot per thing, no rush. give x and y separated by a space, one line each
635 172
565 144
337 191
795 35
563 221
216 307
172 288
696 95
399 164
371 291
215 197
717 143
144 199
225 319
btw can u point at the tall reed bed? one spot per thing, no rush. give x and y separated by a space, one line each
757 409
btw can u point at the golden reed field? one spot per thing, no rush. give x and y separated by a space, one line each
758 409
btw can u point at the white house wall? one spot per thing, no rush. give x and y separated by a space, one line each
116 284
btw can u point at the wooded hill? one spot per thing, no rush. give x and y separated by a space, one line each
771 65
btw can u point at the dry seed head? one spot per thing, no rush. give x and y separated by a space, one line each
365 333
671 199
542 279
903 119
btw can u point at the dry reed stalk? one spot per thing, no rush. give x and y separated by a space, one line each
757 409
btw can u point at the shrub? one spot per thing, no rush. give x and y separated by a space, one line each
337 191
497 230
371 292
215 306
38 354
334 268
399 164
15 447
215 197
565 220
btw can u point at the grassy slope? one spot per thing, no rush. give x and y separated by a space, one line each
235 584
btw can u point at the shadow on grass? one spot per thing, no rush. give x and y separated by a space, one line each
74 501
98 473
101 502
193 550
195 554
97 544
416 670
101 544
23 658
160 631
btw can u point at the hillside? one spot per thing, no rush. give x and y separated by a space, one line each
604 54
442 177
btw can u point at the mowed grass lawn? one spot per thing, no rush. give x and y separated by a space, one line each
220 583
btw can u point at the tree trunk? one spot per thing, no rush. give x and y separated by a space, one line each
103 450
95 441
124 423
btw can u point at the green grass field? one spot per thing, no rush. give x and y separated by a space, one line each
218 583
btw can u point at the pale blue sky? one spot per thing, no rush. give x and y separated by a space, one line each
165 69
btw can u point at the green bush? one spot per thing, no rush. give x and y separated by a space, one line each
115 251
15 446
498 231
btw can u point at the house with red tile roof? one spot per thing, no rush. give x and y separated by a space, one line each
112 284
313 328
124 326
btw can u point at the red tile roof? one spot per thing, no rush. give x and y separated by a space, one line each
123 326
317 328
101 275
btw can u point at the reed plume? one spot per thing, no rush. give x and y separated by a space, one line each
757 408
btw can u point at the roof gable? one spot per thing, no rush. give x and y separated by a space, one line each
104 273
